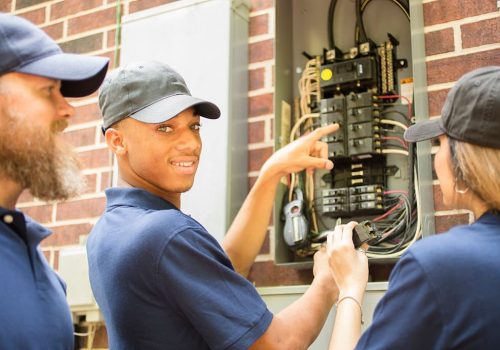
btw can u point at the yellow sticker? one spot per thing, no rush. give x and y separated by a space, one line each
326 74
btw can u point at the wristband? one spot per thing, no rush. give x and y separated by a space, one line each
357 303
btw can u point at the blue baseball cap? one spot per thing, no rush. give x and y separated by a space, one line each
25 48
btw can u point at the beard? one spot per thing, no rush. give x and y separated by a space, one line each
38 159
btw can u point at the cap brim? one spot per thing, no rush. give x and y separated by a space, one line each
424 130
170 106
80 75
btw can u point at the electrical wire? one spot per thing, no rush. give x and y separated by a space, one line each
416 235
393 122
409 104
398 139
357 32
395 151
331 14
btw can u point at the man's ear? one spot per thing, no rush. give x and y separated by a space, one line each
115 141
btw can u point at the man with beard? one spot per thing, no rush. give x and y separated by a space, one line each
161 280
35 76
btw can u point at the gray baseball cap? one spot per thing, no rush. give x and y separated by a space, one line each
471 112
150 92
25 48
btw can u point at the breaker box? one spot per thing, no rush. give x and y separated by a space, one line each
359 64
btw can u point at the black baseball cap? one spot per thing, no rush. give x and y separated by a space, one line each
150 92
25 48
471 112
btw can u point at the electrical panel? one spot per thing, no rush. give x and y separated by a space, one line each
353 65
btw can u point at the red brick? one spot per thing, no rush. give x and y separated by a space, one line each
261 51
257 5
268 274
80 209
140 5
91 21
55 265
83 45
46 254
25 197
260 105
443 11
91 180
95 159
105 180
481 33
66 235
55 31
256 132
5 5
36 16
444 223
265 249
440 41
85 113
25 3
256 78
82 137
40 213
257 157
72 7
438 198
111 56
251 182
259 25
450 69
111 38
436 101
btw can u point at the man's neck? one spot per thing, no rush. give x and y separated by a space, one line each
174 199
10 193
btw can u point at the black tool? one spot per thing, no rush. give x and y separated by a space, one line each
364 232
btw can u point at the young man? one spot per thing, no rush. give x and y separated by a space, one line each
35 75
161 280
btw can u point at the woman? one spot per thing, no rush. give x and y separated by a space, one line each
444 293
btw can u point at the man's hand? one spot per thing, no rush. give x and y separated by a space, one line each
307 152
322 271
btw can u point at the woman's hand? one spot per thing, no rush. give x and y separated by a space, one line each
349 266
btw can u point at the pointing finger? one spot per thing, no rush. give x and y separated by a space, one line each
318 133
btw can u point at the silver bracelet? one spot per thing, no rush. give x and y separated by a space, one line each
357 303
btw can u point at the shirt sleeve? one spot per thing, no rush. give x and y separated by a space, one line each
408 316
197 277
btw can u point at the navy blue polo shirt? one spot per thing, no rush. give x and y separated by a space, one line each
34 313
444 293
163 282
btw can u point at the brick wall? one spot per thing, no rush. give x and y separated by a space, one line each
459 34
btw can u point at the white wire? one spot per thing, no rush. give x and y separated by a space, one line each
395 151
393 122
292 137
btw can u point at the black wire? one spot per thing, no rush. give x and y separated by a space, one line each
360 31
359 24
331 35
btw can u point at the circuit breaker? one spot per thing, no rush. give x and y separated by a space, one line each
353 65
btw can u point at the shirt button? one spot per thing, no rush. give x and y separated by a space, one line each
8 219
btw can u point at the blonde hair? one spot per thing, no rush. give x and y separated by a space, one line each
478 167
